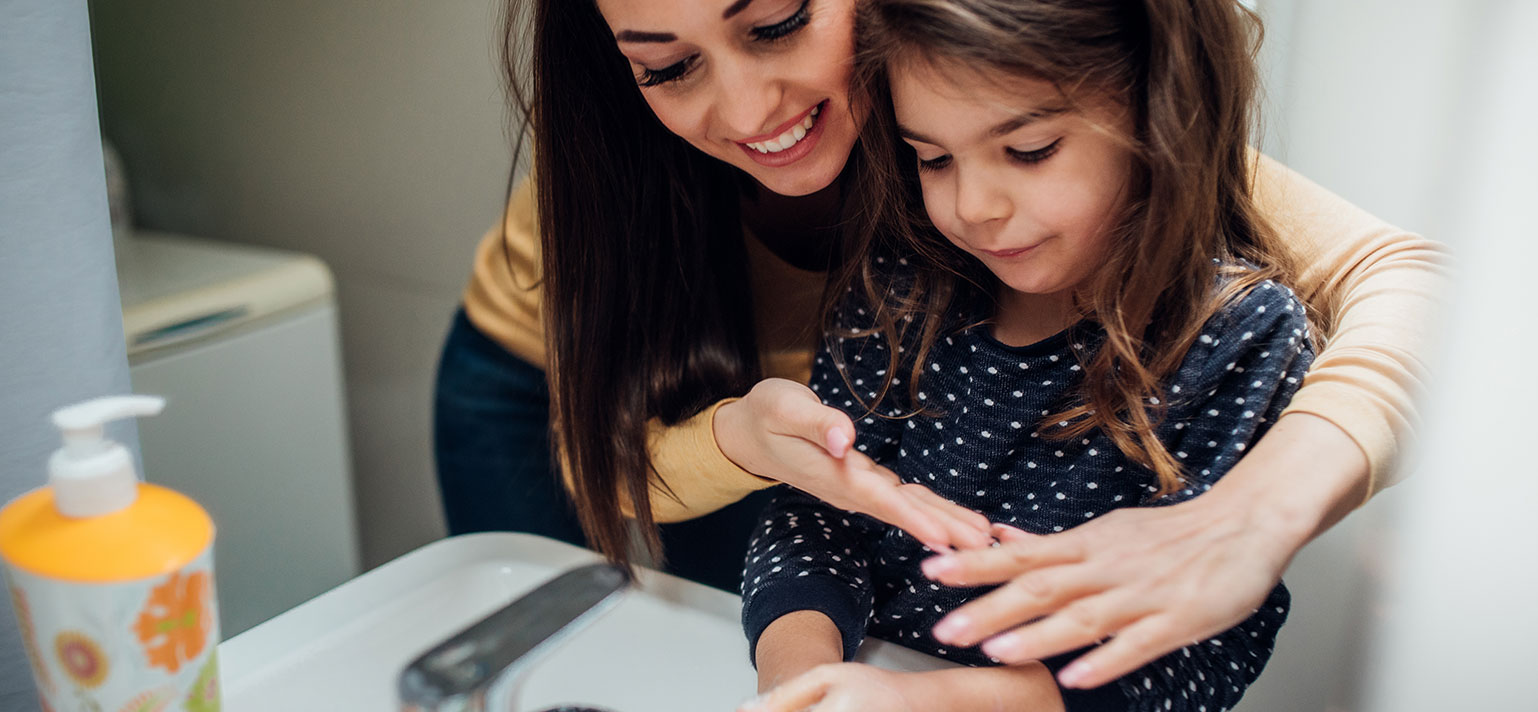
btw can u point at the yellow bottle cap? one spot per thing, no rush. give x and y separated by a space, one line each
162 531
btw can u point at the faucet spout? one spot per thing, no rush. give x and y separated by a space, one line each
458 675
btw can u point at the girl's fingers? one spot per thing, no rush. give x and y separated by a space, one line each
1024 553
1025 598
1130 649
1081 623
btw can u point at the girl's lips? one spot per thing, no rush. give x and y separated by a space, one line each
1006 254
796 152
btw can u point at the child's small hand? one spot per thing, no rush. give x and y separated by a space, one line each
843 687
781 430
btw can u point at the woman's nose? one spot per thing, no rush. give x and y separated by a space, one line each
747 99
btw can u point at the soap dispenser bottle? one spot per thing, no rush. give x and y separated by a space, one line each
111 579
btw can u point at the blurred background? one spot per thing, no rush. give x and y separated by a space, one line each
359 149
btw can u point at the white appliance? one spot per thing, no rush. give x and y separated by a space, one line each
243 343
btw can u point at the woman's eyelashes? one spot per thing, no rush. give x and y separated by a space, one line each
768 34
785 27
670 73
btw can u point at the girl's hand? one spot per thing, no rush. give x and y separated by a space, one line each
782 431
842 687
1156 579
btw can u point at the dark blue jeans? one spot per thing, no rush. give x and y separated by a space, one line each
491 441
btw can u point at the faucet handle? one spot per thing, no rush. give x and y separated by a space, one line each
458 673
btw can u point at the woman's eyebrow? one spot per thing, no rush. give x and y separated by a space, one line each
664 37
638 36
735 8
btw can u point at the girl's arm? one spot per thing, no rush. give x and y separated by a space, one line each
854 687
798 667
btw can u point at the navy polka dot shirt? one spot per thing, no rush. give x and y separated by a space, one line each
979 446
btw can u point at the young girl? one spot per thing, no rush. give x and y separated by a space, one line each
1092 317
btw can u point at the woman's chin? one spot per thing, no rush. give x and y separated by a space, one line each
797 180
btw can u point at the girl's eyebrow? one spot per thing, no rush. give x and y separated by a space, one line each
999 129
1028 117
665 37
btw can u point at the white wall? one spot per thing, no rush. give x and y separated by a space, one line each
368 132
1389 104
1457 616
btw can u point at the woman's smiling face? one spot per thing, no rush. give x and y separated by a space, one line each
760 84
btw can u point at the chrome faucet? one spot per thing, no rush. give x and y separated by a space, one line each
482 667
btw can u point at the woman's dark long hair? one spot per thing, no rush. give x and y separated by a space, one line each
646 307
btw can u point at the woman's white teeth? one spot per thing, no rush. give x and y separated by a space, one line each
789 138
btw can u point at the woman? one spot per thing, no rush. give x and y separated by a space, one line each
683 231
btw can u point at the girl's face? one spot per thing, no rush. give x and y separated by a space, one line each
1012 175
760 84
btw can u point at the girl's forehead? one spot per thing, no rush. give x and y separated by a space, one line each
928 84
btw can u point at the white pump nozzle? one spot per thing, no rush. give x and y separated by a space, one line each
91 475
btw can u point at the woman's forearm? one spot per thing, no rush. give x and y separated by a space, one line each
1299 480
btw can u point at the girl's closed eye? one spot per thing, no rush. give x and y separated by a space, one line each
771 34
1030 157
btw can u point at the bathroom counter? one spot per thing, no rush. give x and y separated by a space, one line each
670 645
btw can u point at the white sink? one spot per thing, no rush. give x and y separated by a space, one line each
669 645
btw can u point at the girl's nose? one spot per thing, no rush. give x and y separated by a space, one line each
980 199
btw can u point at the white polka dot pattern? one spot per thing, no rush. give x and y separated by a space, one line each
978 444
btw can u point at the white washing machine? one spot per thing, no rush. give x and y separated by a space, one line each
243 342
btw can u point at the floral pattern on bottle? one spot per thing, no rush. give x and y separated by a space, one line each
175 622
29 639
204 696
82 658
152 701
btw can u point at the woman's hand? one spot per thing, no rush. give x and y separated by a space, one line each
842 687
1156 579
782 431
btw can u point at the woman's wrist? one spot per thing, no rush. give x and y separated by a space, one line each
726 425
1302 478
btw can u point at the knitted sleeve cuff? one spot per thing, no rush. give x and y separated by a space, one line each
824 594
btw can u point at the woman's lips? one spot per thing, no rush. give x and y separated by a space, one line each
796 152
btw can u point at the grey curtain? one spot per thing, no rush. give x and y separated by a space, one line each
61 326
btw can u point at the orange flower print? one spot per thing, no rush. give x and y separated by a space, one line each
81 658
152 701
176 620
29 638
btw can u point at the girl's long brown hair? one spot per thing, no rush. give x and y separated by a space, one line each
646 305
1186 70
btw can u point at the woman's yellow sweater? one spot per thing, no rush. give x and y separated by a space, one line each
1383 283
